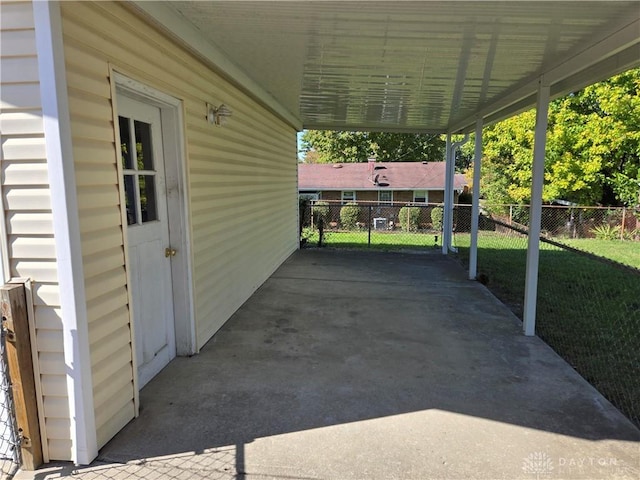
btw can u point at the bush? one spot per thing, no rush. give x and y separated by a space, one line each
436 218
320 211
606 232
520 214
349 215
465 198
631 234
409 218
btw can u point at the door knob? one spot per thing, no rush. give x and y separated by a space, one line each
170 252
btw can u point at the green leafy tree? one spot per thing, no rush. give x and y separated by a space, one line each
326 146
592 154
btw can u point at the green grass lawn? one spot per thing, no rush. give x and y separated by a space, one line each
587 310
396 240
623 251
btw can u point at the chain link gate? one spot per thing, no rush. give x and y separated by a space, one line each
9 438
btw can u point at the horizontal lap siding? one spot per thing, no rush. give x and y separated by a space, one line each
243 199
364 196
242 185
403 196
436 196
28 216
94 152
330 195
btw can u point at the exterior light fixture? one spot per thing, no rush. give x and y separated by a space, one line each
218 115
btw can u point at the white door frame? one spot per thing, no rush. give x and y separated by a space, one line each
176 178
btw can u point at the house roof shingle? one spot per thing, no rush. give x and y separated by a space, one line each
389 175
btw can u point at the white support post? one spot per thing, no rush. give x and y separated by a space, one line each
448 199
535 213
475 204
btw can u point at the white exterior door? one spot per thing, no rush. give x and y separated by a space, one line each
150 252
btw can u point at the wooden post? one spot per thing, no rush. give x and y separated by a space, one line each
624 219
18 346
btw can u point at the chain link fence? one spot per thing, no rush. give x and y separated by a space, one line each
390 226
9 446
574 222
588 305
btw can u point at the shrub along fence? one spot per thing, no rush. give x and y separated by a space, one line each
588 306
371 225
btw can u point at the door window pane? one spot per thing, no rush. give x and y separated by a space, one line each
148 198
125 143
130 196
144 151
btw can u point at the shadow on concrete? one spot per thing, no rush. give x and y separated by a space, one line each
387 354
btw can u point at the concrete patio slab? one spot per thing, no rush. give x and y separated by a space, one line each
367 365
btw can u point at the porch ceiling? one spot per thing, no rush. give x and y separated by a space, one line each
429 66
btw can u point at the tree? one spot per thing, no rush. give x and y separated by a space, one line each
592 154
325 146
609 134
311 156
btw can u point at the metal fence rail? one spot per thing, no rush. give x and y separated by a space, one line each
9 446
588 306
389 226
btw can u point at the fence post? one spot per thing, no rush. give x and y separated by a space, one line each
16 325
624 219
369 238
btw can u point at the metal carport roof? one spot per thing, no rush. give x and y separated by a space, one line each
413 66
416 66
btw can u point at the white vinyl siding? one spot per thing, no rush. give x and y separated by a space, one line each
28 218
242 187
94 156
421 196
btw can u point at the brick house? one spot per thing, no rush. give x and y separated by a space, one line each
384 183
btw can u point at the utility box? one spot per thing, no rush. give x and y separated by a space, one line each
380 223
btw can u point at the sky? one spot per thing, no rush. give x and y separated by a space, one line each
300 155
